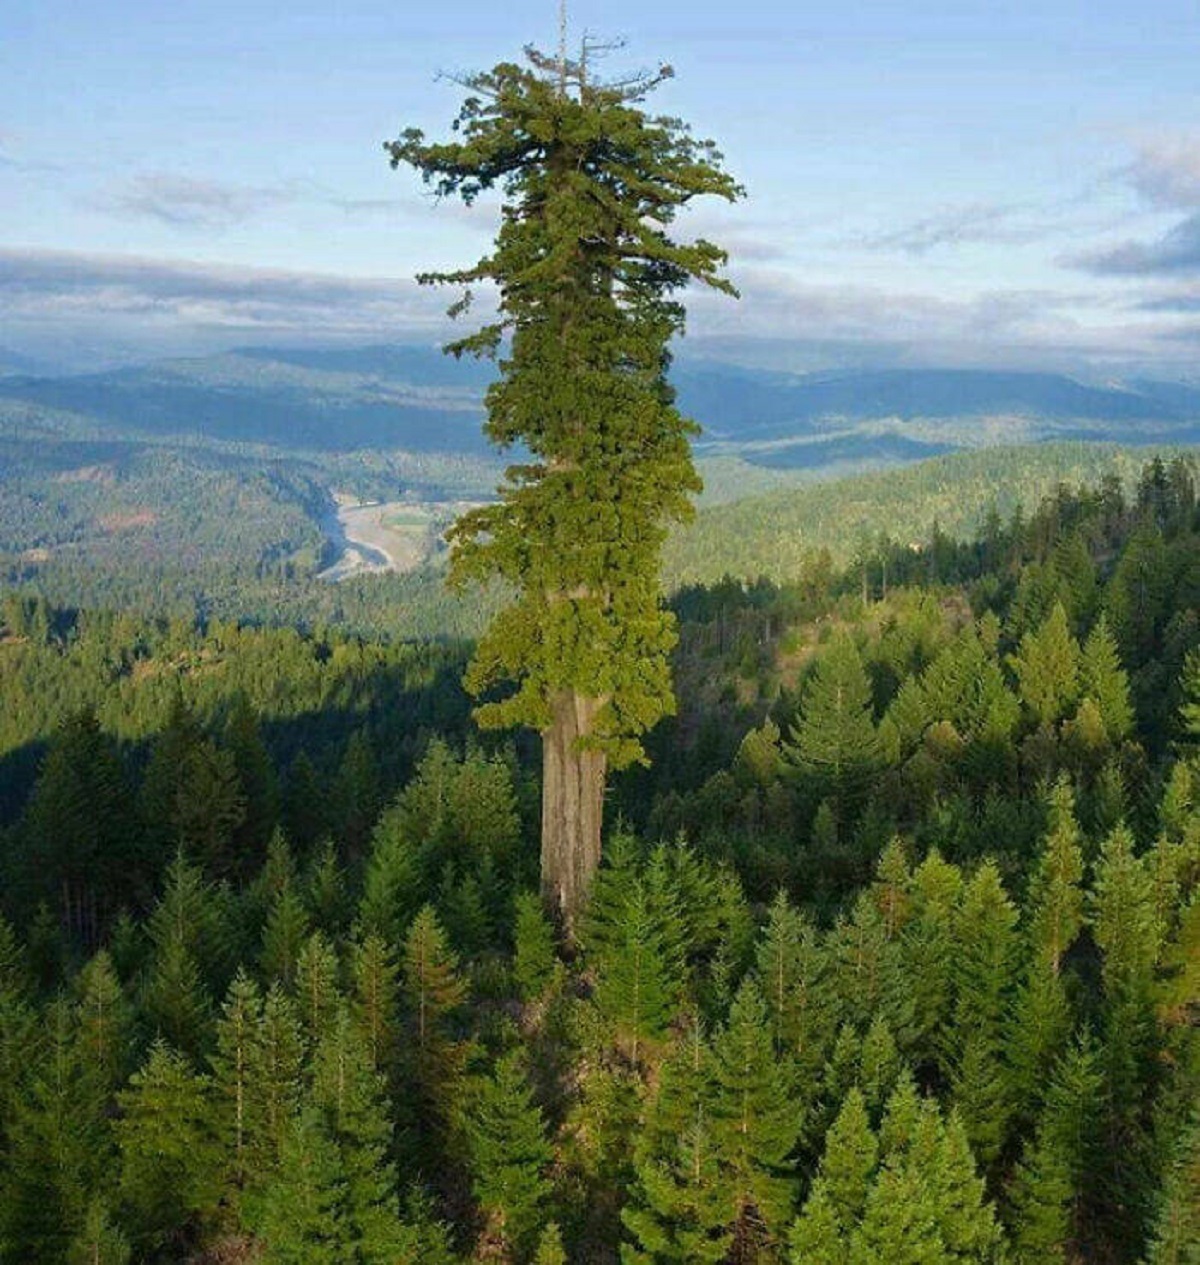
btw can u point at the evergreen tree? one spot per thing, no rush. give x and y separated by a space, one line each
317 993
834 740
1047 668
373 1000
1042 1017
535 963
986 956
258 783
677 1211
755 1127
792 975
99 1241
1176 1237
432 993
1103 680
578 530
351 1096
170 1164
509 1155
1126 928
301 1218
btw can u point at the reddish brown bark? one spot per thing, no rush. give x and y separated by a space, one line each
572 807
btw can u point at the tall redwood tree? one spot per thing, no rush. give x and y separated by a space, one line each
585 276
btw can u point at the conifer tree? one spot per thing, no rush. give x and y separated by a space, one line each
586 274
170 1163
1042 1017
1127 930
534 960
58 1148
792 975
105 1020
433 993
99 1241
1103 680
677 1211
317 992
1047 668
351 1096
834 740
233 1070
509 1155
300 1222
986 957
928 956
755 1127
373 999
1176 1236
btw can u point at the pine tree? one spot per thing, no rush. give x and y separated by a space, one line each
792 975
373 999
834 740
1103 680
755 1127
677 1211
986 957
578 530
509 1154
1047 668
170 1164
99 1242
535 963
317 993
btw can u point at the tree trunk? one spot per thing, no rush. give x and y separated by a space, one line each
572 807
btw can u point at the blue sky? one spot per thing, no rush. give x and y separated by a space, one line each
932 182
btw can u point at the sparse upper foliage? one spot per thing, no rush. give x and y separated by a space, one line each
585 273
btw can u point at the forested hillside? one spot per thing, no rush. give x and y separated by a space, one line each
894 956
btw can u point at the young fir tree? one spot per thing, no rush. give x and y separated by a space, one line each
509 1156
170 1159
586 275
834 740
99 1241
755 1127
1042 1018
1047 668
986 957
677 1212
1126 928
535 963
375 977
354 1114
792 975
1103 680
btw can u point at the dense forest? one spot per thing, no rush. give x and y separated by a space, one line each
894 954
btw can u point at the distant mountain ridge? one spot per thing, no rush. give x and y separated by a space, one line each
415 398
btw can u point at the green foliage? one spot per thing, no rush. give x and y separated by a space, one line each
834 740
755 1126
509 1154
